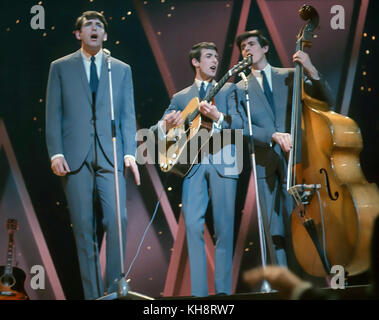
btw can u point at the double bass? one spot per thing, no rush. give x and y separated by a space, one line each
335 206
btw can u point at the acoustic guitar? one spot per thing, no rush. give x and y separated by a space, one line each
181 147
12 279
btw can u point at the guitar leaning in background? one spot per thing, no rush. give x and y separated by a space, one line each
11 278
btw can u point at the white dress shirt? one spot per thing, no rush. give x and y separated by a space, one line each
87 63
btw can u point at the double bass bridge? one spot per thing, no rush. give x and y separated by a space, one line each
303 194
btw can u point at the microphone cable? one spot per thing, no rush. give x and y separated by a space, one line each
147 229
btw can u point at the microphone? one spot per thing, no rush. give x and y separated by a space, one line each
246 107
243 76
108 58
249 58
106 51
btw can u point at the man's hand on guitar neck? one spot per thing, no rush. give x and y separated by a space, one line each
209 110
172 119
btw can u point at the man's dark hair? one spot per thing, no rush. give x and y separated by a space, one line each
252 33
90 15
196 51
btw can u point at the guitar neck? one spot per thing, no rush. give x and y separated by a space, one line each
295 152
217 87
214 90
8 267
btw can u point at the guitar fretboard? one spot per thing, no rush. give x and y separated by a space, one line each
218 86
8 267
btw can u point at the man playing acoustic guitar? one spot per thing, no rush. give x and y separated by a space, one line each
208 179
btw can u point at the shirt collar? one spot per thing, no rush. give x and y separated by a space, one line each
266 69
198 83
98 56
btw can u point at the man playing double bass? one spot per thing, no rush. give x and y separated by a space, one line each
270 95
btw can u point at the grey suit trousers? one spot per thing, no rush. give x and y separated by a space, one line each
96 175
195 198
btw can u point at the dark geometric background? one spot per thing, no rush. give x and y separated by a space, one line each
26 54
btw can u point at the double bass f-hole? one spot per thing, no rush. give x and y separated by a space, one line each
327 184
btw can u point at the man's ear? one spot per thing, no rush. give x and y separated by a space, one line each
77 34
195 63
105 38
265 49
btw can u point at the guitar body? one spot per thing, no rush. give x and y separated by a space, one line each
12 285
184 143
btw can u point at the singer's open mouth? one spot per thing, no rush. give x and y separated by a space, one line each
94 36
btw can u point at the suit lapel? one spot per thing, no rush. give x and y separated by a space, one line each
258 92
278 89
79 67
209 87
220 101
192 93
103 80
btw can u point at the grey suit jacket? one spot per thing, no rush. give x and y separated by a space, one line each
269 157
226 101
69 119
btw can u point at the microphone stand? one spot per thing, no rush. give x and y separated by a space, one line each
265 286
123 291
122 286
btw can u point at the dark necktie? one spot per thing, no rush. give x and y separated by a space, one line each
202 91
94 81
268 92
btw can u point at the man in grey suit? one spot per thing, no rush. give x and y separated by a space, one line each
212 178
270 95
79 143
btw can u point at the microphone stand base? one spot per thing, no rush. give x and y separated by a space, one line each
122 288
266 287
123 293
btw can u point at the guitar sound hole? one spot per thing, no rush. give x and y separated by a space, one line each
7 280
